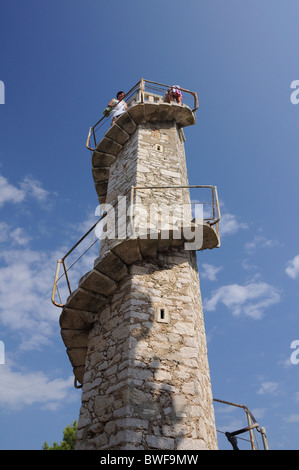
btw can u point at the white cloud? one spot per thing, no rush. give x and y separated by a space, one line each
259 241
250 300
268 388
229 225
25 285
26 282
16 236
210 271
293 418
19 389
29 188
292 269
9 193
33 188
258 413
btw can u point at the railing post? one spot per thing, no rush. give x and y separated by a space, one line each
55 284
66 276
142 90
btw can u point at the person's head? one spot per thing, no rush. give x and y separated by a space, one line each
120 95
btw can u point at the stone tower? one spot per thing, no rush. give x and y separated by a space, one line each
134 328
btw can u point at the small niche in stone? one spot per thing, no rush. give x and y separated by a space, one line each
159 148
162 315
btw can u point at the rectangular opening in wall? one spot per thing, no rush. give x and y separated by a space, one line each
159 148
162 315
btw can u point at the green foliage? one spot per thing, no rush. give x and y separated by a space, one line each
69 439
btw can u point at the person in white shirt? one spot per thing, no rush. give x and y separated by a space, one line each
119 106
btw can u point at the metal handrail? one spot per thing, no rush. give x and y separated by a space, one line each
141 87
252 424
131 191
215 201
62 262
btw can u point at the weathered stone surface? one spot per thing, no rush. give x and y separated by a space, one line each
101 188
76 319
148 246
146 373
77 356
111 265
126 123
79 373
98 282
108 146
117 134
74 338
100 159
128 251
84 300
143 373
136 113
100 174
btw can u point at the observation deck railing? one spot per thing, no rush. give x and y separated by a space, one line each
145 91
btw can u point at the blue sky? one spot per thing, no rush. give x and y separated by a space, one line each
60 63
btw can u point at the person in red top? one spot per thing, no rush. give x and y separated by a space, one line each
174 94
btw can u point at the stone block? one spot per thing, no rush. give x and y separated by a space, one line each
103 404
151 111
100 174
74 338
98 282
111 265
165 112
183 115
148 246
185 443
126 123
77 356
101 159
117 134
136 113
76 319
79 373
85 300
160 442
101 188
109 146
128 251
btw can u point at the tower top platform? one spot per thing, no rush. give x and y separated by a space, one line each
147 102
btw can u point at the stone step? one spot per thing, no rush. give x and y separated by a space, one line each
101 159
98 282
126 123
107 145
117 134
100 174
82 299
110 264
76 319
77 356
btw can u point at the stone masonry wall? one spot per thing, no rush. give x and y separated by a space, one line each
154 156
147 383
